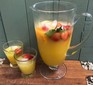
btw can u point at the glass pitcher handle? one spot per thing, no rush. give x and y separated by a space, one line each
73 49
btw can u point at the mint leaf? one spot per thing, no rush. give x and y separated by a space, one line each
50 32
59 29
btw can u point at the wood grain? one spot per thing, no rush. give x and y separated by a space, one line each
75 76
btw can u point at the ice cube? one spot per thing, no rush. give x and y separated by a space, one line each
24 59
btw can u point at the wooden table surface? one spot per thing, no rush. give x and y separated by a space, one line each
75 75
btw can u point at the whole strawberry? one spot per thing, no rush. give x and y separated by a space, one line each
56 36
64 35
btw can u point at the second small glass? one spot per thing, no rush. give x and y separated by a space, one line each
10 48
27 62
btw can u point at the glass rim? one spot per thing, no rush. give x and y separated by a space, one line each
28 59
33 7
11 45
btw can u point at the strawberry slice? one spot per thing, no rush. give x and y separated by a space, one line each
45 28
67 27
55 36
28 56
18 50
69 32
64 35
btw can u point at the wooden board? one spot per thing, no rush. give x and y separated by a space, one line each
75 75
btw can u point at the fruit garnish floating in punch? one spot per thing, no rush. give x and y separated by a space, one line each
56 30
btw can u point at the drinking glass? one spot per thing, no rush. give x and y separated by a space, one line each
54 23
10 48
26 62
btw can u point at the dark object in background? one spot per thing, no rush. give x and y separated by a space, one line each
88 66
89 80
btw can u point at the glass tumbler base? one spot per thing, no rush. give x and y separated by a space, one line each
32 75
53 74
13 66
27 75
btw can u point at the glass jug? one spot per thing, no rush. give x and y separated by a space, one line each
54 21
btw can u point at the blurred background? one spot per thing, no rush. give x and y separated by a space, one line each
16 23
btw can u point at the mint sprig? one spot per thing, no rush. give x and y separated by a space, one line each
59 29
52 31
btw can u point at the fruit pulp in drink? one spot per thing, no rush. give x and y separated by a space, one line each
53 39
26 63
10 53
